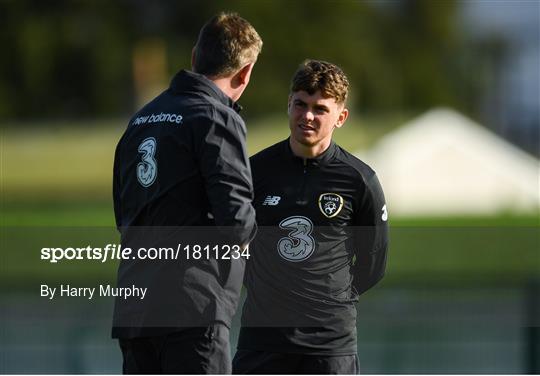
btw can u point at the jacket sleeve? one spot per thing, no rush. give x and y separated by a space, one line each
371 237
224 166
116 188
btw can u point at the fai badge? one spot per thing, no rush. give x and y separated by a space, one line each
330 204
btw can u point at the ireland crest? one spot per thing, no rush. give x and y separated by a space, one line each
330 204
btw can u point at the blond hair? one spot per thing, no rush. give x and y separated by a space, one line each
226 43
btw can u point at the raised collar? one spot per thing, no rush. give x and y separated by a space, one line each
322 159
188 81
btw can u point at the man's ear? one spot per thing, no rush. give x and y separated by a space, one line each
343 115
245 73
241 78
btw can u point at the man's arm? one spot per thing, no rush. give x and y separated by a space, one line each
225 169
371 234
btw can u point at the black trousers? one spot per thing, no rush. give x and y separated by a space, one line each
262 362
188 351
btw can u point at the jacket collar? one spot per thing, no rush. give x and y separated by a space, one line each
188 81
322 159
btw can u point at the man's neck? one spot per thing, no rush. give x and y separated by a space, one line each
304 151
224 84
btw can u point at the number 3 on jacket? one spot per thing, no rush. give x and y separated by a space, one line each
147 169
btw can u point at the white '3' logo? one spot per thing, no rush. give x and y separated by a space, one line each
147 169
384 215
299 244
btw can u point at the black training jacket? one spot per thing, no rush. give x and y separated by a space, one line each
182 164
321 241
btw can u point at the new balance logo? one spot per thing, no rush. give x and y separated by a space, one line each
271 200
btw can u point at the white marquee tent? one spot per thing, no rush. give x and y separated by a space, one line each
442 163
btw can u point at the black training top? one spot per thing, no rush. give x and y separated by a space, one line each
181 162
322 241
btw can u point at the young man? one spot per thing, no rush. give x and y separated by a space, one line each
182 162
322 239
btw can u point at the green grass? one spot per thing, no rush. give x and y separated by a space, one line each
49 161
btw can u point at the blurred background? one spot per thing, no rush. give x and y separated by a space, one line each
444 106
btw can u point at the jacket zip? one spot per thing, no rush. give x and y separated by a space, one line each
302 197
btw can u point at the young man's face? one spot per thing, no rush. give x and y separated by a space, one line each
313 118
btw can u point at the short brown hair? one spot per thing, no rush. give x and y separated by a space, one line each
313 75
226 43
